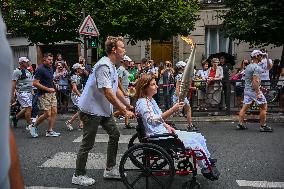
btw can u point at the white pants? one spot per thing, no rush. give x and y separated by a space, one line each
194 141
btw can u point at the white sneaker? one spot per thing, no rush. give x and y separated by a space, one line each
69 125
33 119
52 134
112 174
82 180
33 131
28 127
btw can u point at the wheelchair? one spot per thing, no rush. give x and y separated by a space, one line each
153 161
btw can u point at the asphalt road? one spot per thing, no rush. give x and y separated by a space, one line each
243 156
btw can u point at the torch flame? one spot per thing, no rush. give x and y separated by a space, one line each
188 40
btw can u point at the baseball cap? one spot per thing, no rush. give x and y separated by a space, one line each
23 59
180 64
126 58
256 53
77 66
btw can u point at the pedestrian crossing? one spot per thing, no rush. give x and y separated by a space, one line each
42 187
123 139
67 160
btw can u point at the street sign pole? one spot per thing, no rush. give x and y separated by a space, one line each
88 29
85 39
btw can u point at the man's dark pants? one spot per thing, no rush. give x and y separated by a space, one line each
91 123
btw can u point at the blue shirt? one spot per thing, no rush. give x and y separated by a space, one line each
151 115
45 76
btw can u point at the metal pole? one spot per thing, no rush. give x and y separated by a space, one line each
85 38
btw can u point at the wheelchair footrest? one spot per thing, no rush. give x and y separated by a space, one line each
183 172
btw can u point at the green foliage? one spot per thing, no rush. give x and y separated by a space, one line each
259 22
50 21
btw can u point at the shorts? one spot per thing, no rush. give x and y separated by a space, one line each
47 100
75 99
175 100
25 99
250 96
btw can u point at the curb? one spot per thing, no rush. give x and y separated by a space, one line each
233 118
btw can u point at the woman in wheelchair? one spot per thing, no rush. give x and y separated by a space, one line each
153 121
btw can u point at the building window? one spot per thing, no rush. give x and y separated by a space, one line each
216 42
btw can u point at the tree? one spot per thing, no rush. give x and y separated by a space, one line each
50 21
258 22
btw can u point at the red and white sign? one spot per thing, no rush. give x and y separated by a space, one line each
88 27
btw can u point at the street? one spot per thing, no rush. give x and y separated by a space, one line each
243 156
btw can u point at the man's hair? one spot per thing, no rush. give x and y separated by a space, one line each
111 42
144 60
45 55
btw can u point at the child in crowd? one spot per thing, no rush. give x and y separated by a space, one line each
77 87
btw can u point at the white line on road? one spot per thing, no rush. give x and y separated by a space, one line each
124 139
260 184
42 187
68 160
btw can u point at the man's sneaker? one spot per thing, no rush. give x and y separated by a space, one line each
33 119
28 127
52 134
265 129
112 174
191 128
241 127
82 180
69 125
80 127
33 131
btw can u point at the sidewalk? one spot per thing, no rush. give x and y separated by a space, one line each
204 117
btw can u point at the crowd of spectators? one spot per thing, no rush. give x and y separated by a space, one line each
212 84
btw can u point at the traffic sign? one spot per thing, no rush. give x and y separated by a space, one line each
88 27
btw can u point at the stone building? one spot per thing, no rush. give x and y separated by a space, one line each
207 35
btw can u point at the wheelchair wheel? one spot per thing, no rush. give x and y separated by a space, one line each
147 166
191 185
132 140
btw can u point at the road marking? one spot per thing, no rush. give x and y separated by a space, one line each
42 187
260 184
68 160
124 139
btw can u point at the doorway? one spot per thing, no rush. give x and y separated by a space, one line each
162 51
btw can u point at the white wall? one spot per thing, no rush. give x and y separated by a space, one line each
243 51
